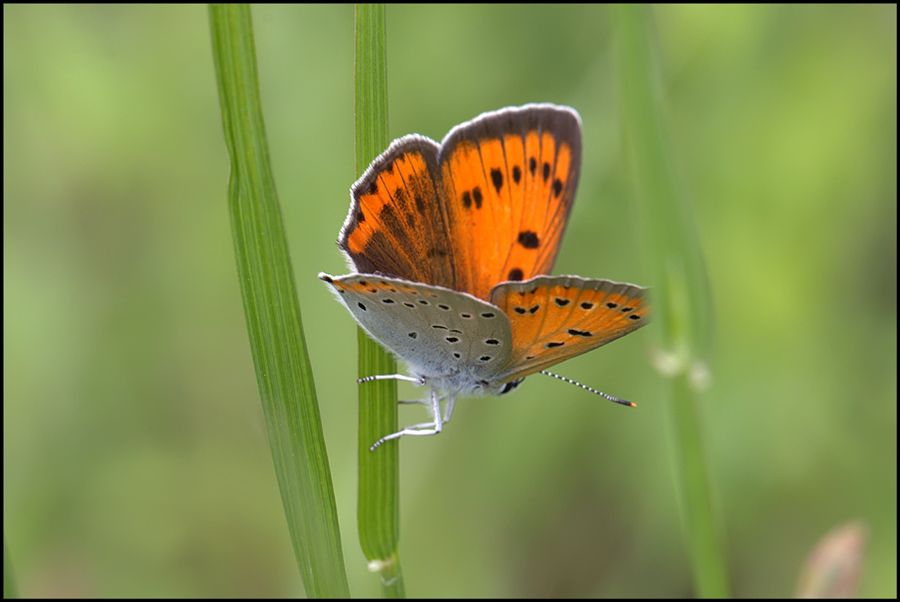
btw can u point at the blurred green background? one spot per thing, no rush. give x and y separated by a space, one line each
134 452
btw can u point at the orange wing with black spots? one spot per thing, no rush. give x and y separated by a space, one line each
488 205
508 179
396 224
555 318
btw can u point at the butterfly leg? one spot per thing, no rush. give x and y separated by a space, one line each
449 409
424 428
368 379
417 381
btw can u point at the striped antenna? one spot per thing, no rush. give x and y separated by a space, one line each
591 389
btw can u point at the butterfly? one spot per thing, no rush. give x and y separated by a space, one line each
452 244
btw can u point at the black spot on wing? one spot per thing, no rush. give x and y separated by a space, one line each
497 180
529 239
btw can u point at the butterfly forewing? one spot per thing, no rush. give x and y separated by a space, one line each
396 225
439 332
555 318
487 205
508 180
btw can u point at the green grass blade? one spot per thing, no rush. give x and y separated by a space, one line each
271 308
379 473
9 582
682 304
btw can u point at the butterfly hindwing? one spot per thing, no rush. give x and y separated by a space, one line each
554 318
441 333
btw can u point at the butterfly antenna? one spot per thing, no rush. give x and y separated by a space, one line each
587 388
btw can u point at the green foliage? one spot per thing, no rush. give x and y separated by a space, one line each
378 508
272 311
135 453
681 296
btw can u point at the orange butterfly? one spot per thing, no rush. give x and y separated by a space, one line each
451 243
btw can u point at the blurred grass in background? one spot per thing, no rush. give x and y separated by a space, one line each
134 455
